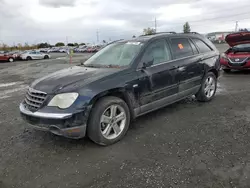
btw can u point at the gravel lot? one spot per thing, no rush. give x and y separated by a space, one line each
188 144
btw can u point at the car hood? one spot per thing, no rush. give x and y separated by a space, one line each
238 38
73 78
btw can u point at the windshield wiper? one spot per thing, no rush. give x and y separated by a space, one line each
92 66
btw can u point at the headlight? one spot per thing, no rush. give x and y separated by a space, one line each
63 100
223 56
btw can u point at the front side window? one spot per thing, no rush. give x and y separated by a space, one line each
157 52
181 48
119 54
203 47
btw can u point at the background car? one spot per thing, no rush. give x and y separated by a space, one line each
34 55
237 57
7 57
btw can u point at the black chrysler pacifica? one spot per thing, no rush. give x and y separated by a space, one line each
124 80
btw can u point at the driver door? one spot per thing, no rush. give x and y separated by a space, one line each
158 81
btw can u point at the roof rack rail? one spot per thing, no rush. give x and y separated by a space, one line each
170 32
191 33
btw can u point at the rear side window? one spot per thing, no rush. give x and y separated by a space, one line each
203 47
181 47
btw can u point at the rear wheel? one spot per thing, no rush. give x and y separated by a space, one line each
208 88
227 70
109 121
46 57
28 58
11 59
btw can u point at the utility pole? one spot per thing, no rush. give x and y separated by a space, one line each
155 25
66 40
236 26
97 36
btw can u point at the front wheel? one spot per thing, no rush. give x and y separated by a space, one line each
46 57
28 58
11 59
208 88
109 121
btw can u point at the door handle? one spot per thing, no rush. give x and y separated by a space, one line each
181 69
174 67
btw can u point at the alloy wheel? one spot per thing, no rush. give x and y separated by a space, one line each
209 87
113 121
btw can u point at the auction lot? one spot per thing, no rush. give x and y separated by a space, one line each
188 144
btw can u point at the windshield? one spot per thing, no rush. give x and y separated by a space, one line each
242 46
117 54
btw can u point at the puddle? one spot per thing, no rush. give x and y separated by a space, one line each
9 84
220 89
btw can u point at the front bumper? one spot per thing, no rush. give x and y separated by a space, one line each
70 125
227 65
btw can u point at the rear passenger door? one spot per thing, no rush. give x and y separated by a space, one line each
39 55
189 63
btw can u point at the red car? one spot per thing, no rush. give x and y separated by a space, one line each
5 57
237 57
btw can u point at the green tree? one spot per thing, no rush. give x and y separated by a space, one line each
70 44
44 45
186 28
245 29
4 47
76 44
134 36
82 44
59 44
148 31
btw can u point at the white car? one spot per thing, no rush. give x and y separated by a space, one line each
34 55
63 51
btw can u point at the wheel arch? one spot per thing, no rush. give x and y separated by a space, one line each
216 72
116 92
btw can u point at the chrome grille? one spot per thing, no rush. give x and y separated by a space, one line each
34 99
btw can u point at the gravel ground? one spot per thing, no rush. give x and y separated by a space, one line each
187 144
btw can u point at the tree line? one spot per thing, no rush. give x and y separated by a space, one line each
26 46
151 31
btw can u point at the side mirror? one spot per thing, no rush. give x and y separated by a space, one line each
147 64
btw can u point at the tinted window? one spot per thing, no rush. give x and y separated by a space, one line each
157 51
181 48
116 54
242 46
194 48
203 47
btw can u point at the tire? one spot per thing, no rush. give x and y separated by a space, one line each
206 92
96 128
28 58
227 70
46 57
11 59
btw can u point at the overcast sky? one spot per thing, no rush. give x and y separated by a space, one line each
35 21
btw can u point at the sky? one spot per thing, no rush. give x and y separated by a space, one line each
35 21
